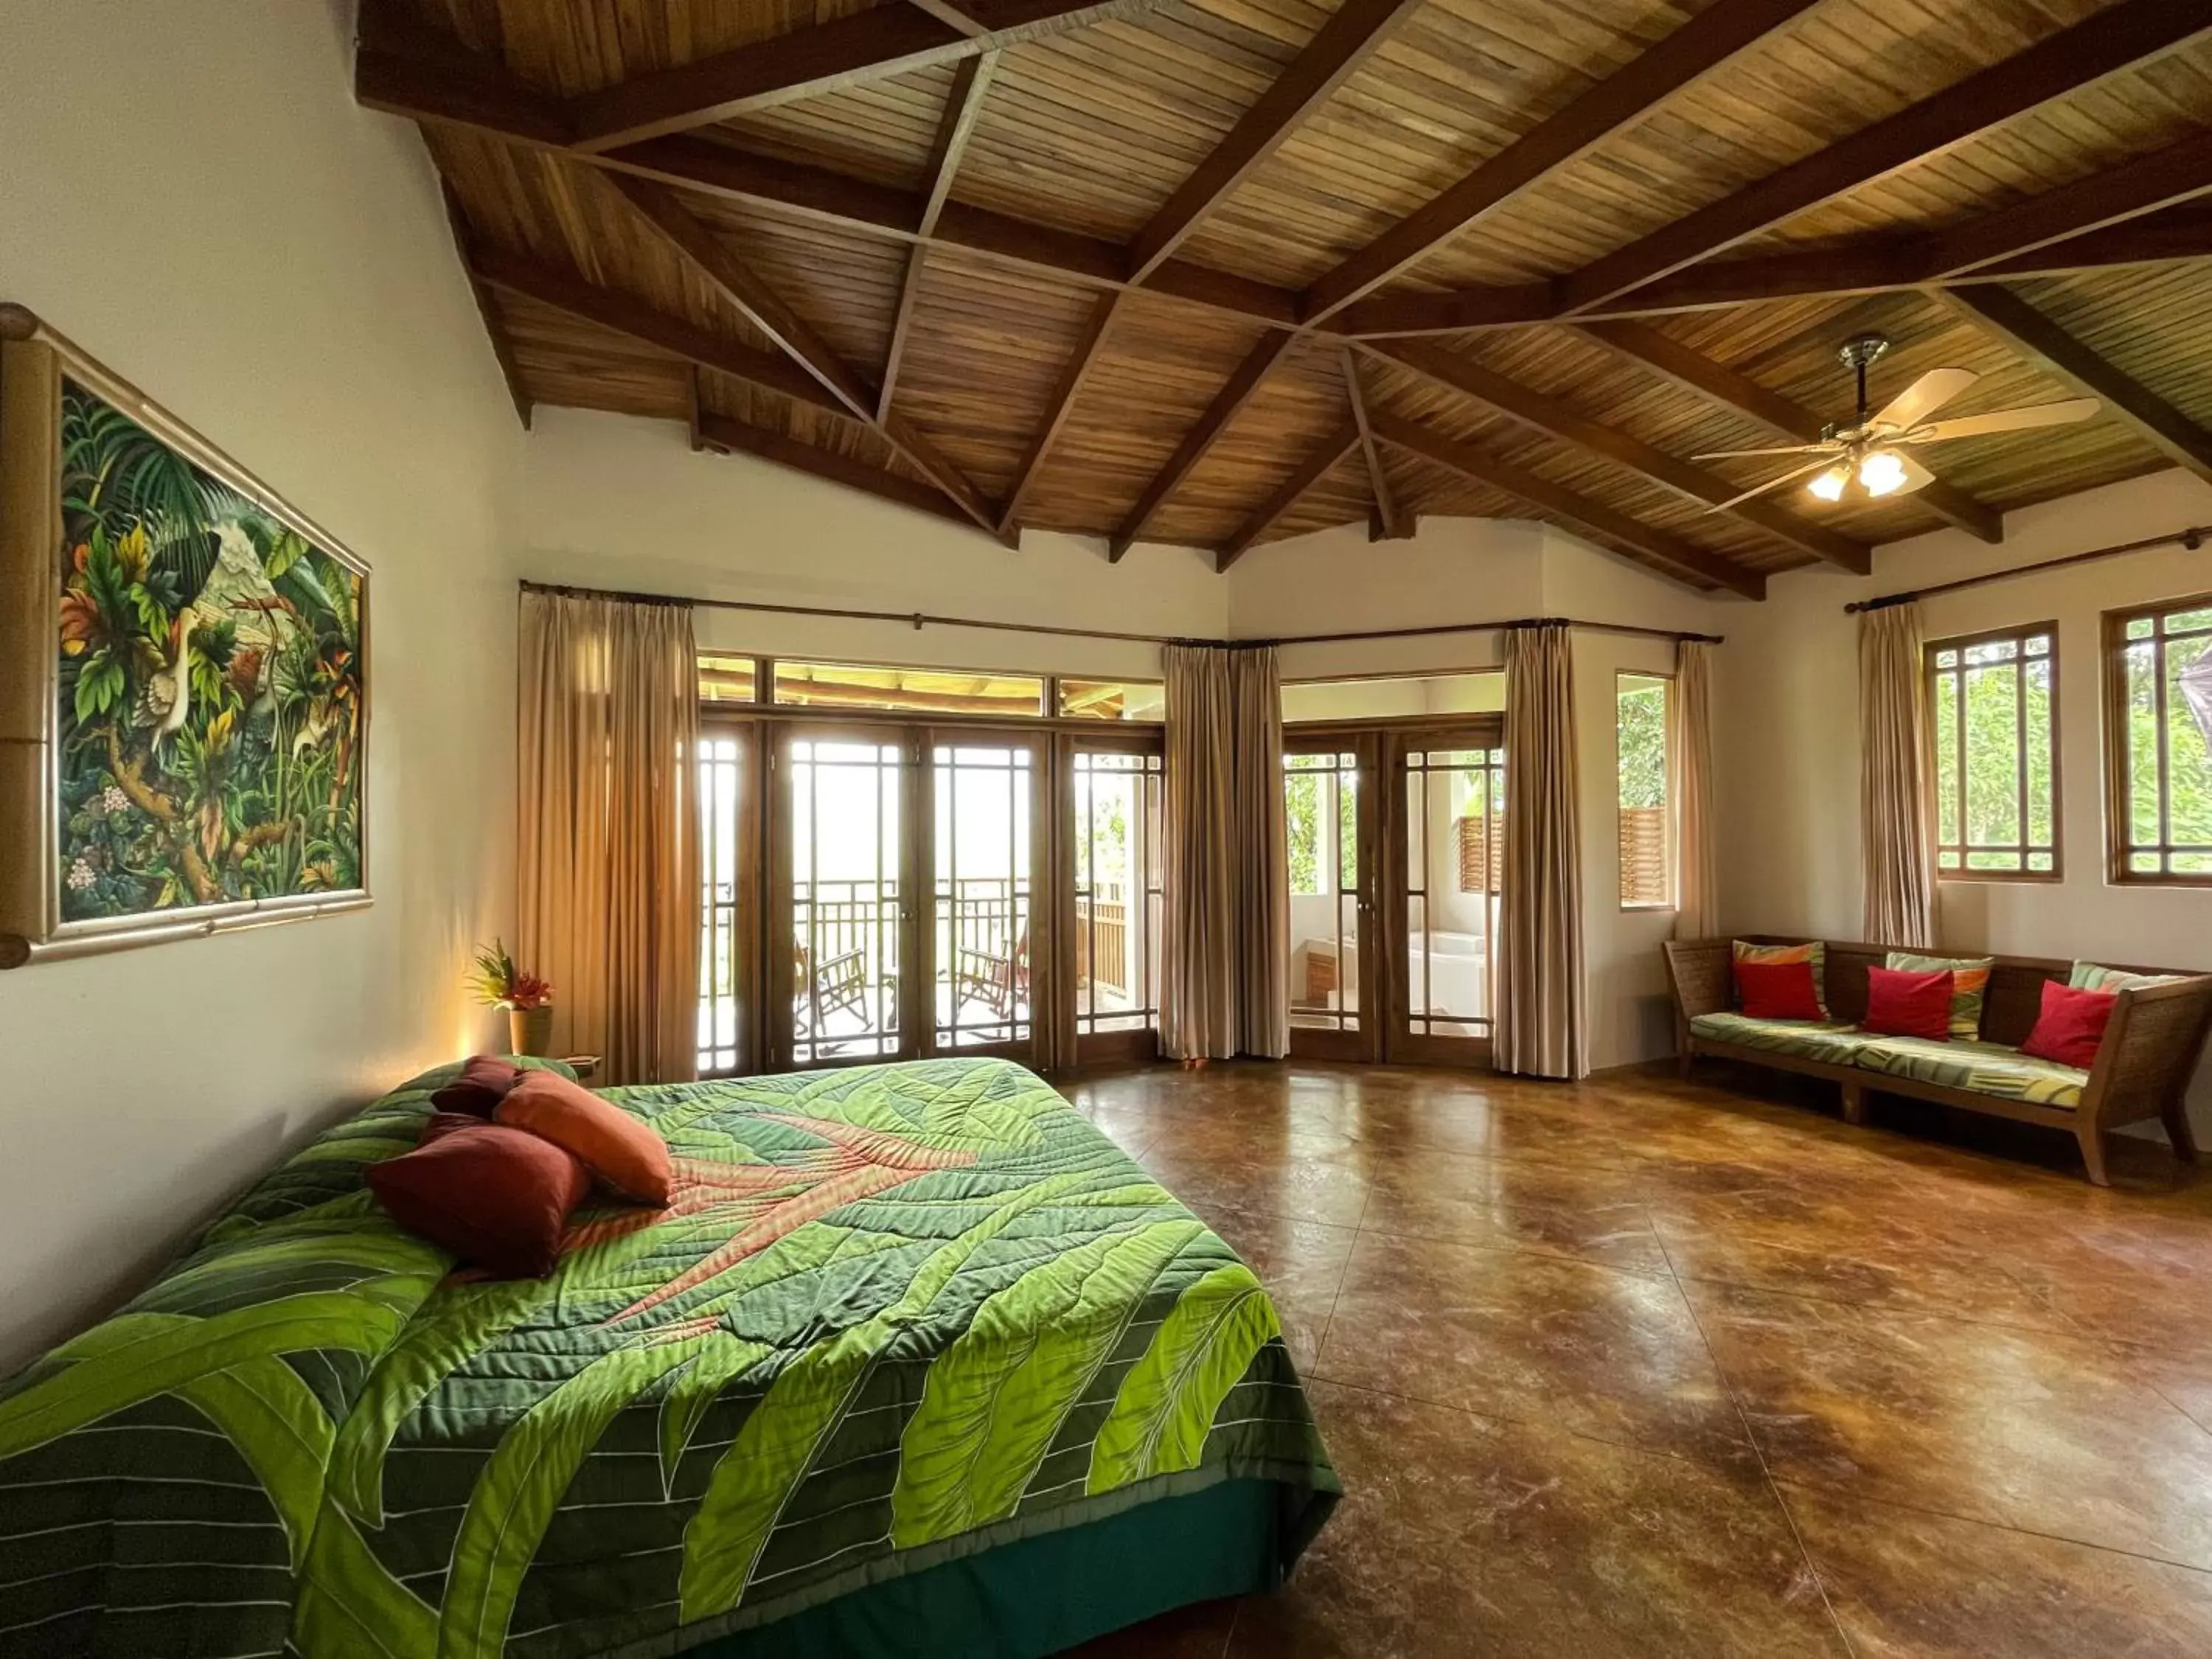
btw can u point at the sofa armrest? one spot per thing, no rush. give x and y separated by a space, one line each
2149 1050
1699 973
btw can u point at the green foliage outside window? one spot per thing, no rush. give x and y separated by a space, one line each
2177 840
1640 733
1991 708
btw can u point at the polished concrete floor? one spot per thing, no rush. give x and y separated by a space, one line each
1648 1367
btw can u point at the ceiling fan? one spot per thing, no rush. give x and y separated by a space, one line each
1873 449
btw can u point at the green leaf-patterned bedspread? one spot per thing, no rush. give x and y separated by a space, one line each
894 1315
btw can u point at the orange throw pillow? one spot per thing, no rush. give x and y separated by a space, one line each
626 1153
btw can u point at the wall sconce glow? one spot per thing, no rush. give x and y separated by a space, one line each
1829 485
1881 473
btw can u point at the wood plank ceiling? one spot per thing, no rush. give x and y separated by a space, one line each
1217 272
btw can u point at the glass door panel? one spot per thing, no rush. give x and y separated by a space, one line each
1114 835
728 943
1331 964
982 831
845 854
1446 871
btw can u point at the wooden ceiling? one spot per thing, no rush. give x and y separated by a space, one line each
1215 273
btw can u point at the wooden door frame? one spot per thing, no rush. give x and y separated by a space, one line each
1400 1043
1361 1044
1043 981
1072 1048
779 1042
750 947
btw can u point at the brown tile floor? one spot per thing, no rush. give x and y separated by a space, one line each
1657 1368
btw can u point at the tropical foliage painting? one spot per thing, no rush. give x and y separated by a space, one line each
211 685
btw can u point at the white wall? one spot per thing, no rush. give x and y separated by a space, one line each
191 194
1786 734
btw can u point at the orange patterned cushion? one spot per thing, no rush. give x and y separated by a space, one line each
626 1153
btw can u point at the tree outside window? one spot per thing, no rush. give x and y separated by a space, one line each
1992 703
2158 710
1647 868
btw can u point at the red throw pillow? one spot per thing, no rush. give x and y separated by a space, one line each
2070 1025
497 1198
1901 1003
625 1152
1776 990
484 1081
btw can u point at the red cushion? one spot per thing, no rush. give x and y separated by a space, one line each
484 1081
1776 990
625 1152
1900 1004
496 1197
2070 1025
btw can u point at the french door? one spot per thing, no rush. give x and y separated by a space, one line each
1330 829
903 870
1443 856
1111 795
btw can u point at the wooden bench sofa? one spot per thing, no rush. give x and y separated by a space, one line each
2143 1067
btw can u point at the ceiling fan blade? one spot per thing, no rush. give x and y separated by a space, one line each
1916 477
1924 398
2005 419
1794 474
1784 449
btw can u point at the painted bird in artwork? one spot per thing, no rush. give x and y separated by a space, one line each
167 701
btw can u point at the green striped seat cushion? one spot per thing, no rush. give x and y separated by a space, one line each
2088 976
1838 1045
1987 1068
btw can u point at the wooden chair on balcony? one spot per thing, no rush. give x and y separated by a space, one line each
998 978
840 985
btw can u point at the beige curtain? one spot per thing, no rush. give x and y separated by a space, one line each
1542 1019
610 849
1224 972
1690 788
1897 783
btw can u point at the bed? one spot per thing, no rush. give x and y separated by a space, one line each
916 1362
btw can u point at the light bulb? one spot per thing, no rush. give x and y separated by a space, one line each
1881 473
1829 485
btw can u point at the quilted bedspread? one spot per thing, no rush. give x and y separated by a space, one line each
893 1316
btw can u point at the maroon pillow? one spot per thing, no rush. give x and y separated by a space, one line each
496 1197
1776 990
2070 1025
1900 1004
485 1080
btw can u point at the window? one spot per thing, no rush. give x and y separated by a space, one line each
1993 698
910 690
1640 729
1112 700
2158 741
1319 840
725 679
1396 696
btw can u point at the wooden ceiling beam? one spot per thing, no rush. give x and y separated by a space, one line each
846 51
956 125
1331 450
1691 370
1072 376
1594 517
721 432
404 67
2035 336
1872 264
1337 49
738 283
2149 184
1685 56
2102 45
1389 524
1555 419
1243 382
635 318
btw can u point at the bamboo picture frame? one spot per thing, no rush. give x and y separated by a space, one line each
184 676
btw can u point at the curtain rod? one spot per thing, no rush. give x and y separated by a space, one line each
2192 538
918 619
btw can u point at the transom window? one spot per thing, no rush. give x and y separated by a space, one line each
2158 741
1992 700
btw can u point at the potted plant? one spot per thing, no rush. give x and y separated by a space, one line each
528 998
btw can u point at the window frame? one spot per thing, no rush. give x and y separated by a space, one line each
2020 633
1673 856
2112 651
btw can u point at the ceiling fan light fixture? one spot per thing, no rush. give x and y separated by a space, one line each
1829 485
1881 473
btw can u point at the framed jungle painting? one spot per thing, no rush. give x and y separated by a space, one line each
183 694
